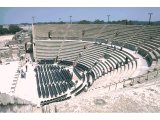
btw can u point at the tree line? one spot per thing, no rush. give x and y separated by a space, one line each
12 29
97 21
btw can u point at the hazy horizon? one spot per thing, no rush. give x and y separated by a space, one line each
16 15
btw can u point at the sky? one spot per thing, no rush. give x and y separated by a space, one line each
16 15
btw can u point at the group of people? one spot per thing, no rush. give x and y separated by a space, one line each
23 73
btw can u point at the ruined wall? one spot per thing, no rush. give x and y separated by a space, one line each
13 104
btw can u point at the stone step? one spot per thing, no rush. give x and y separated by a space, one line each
12 87
14 83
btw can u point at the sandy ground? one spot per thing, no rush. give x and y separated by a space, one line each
26 87
140 98
6 38
7 73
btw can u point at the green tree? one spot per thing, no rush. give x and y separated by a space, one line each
3 31
61 22
130 22
84 22
14 28
97 21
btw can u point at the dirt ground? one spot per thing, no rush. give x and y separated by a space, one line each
139 99
6 37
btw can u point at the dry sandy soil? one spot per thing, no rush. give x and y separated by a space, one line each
6 37
139 98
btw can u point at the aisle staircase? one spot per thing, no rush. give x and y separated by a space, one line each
15 79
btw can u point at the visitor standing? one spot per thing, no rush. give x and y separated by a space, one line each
26 68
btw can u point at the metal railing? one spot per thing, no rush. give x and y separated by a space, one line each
132 81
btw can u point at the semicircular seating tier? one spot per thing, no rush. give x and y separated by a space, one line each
93 56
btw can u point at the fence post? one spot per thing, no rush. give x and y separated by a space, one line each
55 109
147 75
124 83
